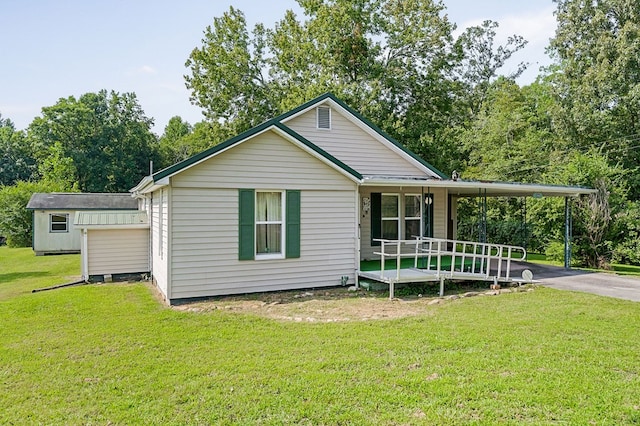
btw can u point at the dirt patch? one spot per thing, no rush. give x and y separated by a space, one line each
333 305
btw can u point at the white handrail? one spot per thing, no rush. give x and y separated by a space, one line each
458 250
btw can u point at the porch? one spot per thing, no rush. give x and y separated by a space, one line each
436 260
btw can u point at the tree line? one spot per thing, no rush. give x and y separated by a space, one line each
399 64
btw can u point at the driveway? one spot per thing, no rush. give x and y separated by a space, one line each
602 284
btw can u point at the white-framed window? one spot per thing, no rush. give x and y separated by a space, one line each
323 115
269 222
390 213
412 216
59 222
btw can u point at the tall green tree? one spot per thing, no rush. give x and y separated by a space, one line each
597 77
395 61
17 160
511 138
105 134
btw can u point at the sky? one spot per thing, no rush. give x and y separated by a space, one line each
54 49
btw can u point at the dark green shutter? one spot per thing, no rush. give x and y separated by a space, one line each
247 214
376 217
292 246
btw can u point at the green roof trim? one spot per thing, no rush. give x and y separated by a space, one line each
375 128
248 134
276 122
208 152
318 150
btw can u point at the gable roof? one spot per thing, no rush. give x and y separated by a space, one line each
277 124
81 201
273 124
359 119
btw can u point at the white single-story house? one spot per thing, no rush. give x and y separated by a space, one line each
54 231
297 202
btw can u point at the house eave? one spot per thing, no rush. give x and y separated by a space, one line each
464 188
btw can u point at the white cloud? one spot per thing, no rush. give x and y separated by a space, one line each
146 69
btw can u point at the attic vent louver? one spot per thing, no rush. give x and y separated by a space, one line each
324 117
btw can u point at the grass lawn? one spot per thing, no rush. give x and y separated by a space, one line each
111 354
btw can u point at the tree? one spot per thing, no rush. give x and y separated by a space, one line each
598 77
171 149
482 60
511 138
106 135
594 216
394 61
16 222
57 170
17 161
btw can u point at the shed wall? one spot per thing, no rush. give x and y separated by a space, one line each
53 242
118 251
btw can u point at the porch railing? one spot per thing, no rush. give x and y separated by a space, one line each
465 257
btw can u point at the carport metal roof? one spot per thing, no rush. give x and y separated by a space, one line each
468 188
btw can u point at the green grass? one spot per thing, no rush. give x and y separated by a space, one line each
111 354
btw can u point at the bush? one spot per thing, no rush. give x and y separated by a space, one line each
16 222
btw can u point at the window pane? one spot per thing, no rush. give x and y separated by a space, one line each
59 223
268 206
389 205
411 229
268 239
390 229
412 206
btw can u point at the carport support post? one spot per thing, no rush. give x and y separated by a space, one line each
482 216
567 233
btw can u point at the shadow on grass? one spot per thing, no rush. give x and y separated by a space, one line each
19 275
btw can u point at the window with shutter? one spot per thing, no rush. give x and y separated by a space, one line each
269 226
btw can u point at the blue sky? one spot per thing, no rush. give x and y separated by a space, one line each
55 49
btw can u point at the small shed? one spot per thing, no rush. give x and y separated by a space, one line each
114 244
53 217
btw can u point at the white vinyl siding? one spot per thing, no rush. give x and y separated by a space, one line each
205 245
204 221
118 251
353 146
160 230
264 162
439 216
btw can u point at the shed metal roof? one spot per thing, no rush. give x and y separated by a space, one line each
81 201
111 219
